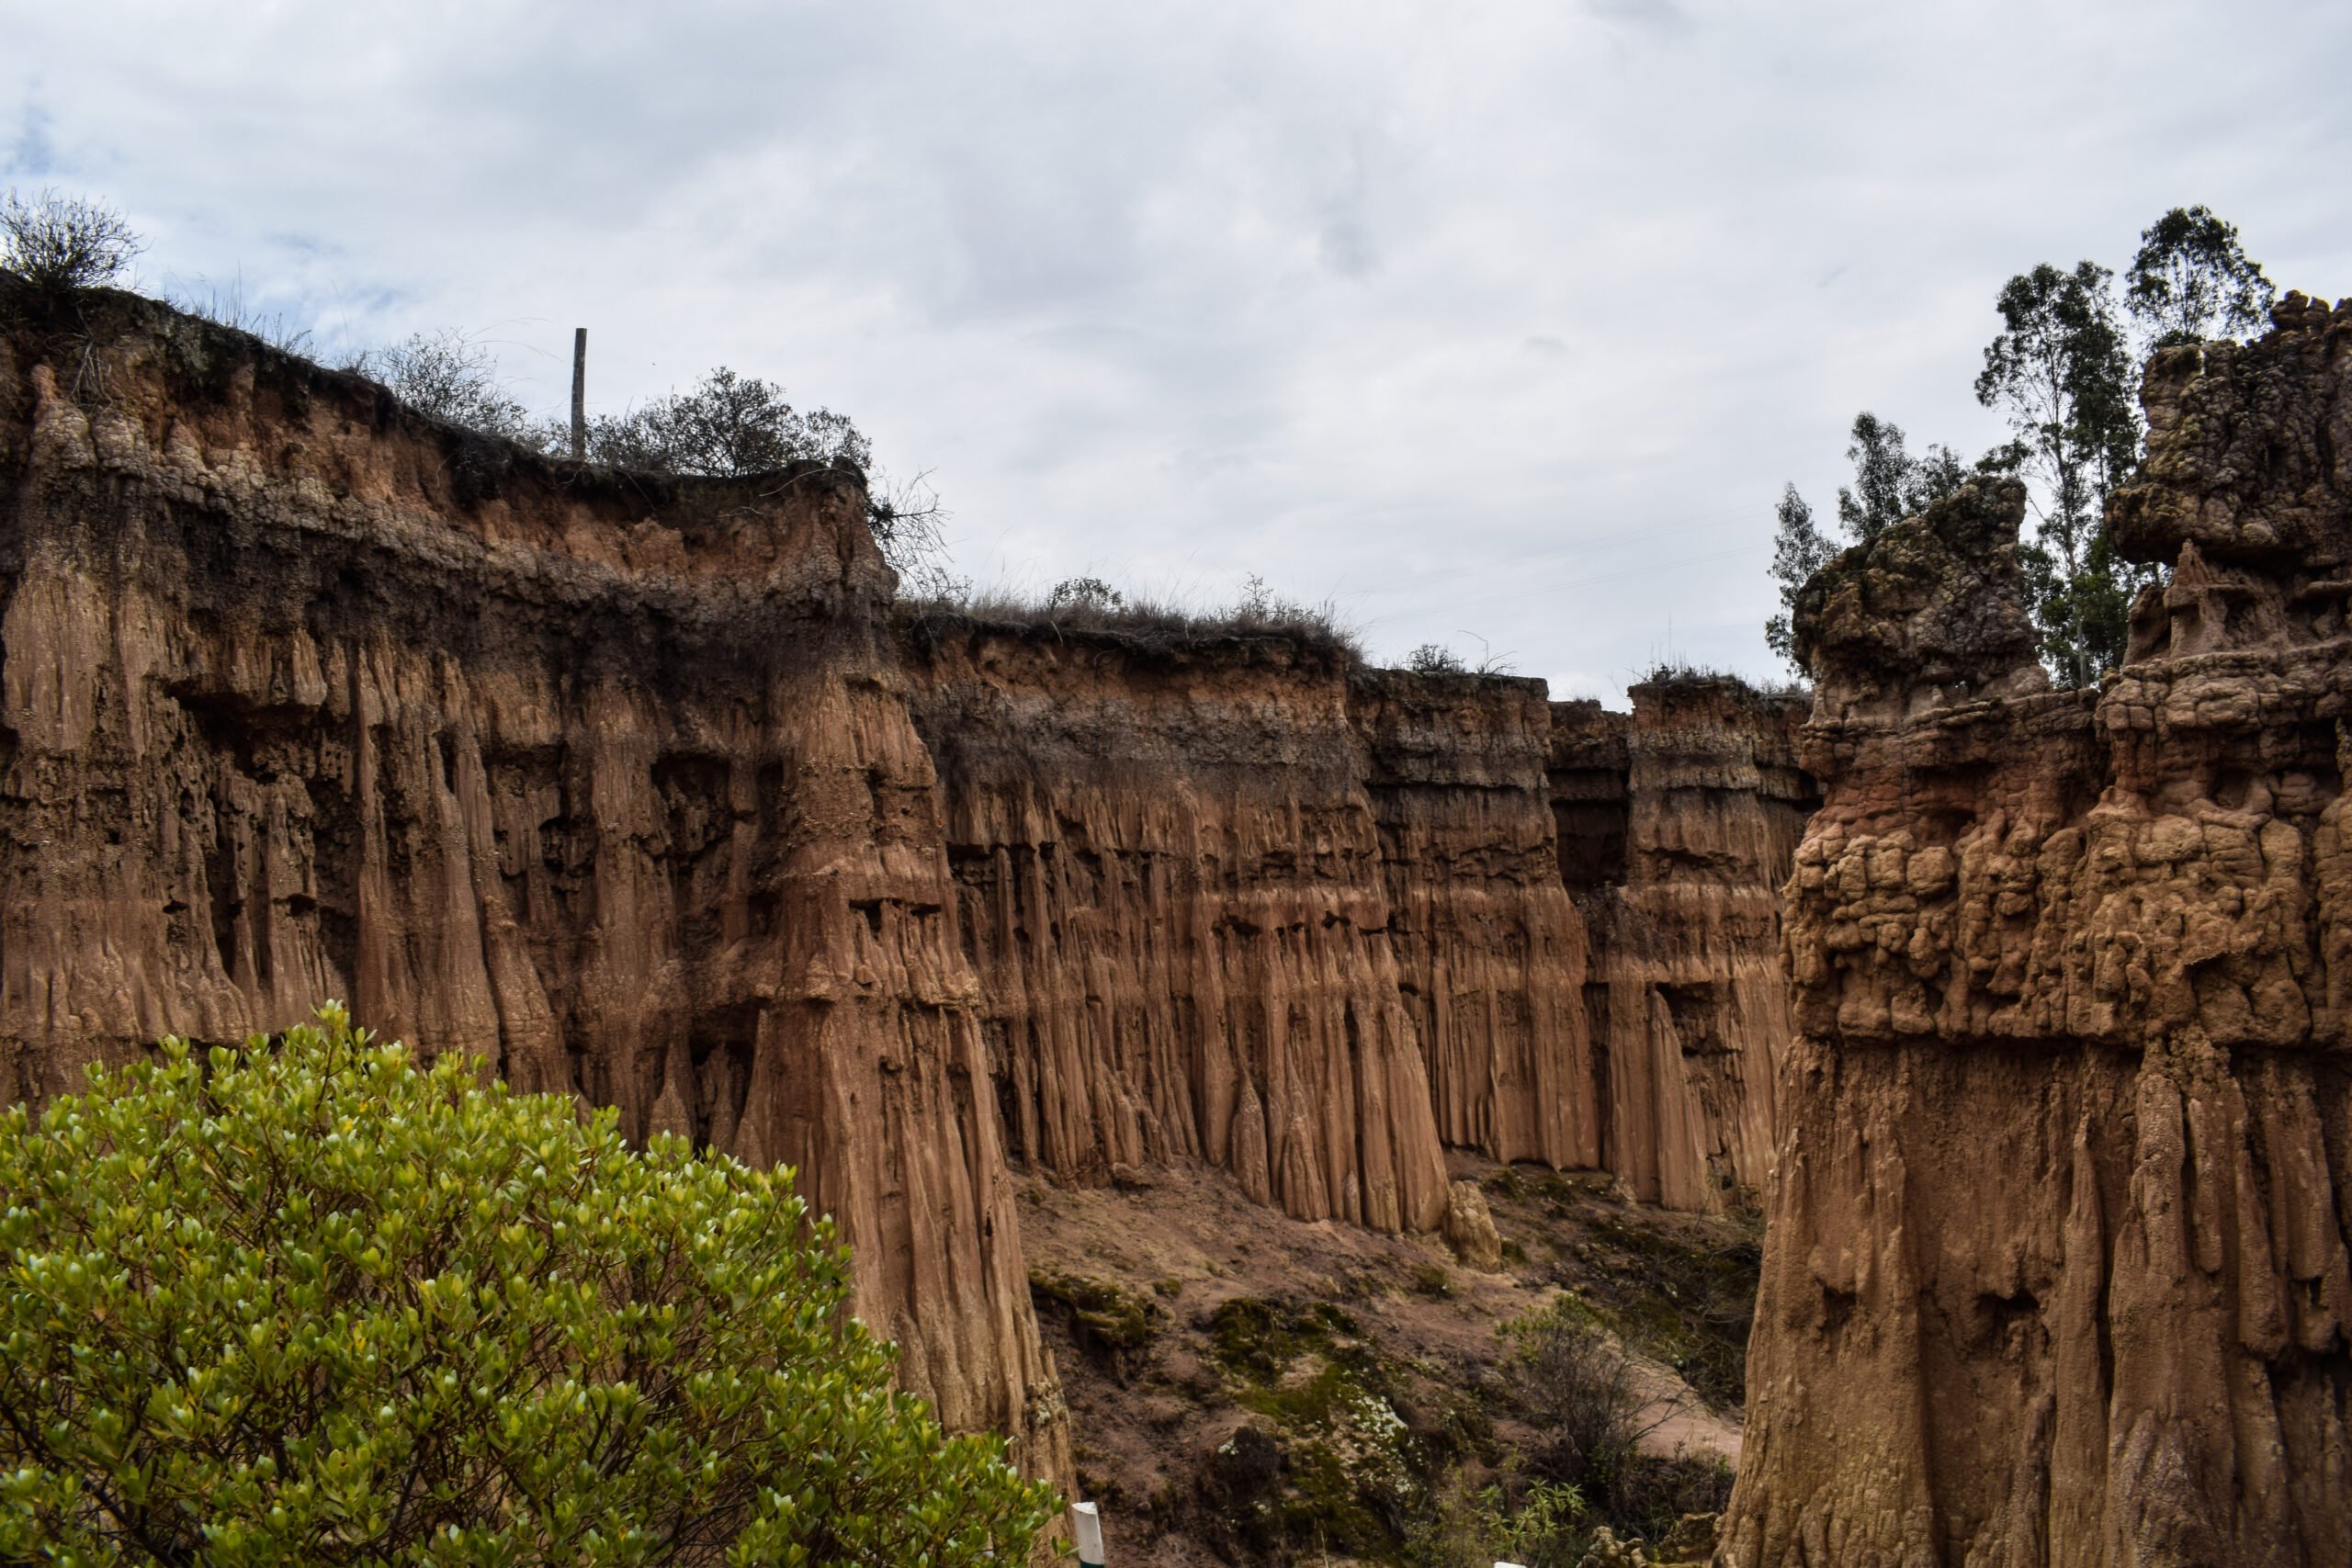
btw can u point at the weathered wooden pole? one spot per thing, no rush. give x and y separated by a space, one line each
579 393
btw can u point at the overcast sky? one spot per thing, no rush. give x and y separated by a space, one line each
1502 321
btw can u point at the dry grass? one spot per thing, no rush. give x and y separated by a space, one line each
1145 622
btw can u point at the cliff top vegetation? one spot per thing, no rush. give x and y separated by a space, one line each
1153 625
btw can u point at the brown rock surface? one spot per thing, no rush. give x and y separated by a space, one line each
2057 1266
1170 886
1470 1228
1233 902
636 788
1490 950
1687 993
604 779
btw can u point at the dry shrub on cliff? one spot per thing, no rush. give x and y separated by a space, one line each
1435 659
453 377
312 1301
56 242
1087 607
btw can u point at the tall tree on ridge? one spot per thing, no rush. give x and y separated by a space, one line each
1889 485
2191 280
1799 550
2059 372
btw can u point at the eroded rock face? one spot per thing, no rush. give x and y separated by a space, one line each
638 789
2057 1266
1171 884
1315 926
605 780
1491 951
1689 1004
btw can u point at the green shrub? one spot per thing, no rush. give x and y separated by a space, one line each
1104 1314
310 1301
1575 1386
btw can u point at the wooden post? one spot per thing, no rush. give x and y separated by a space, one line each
1086 1524
579 393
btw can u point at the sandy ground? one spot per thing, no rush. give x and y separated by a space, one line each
1147 1420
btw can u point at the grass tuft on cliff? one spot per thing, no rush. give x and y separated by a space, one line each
1090 609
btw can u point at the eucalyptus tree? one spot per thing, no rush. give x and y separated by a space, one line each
2191 280
2061 372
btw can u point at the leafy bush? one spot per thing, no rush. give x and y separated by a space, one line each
56 242
308 1301
1539 1524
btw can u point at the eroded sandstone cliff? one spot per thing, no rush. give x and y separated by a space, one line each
2056 1269
1238 902
1689 1002
642 790
605 779
1171 887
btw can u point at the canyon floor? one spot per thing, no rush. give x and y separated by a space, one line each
1245 1387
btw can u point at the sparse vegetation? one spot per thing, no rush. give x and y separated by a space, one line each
1105 1314
1678 1299
1678 1289
1435 659
227 307
1333 1467
308 1300
58 242
1575 1384
452 376
1089 607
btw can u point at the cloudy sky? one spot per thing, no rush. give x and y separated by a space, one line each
1502 321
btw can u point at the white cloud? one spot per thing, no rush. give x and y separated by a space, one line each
1510 319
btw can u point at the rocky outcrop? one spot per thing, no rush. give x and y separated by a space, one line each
2057 1266
1491 953
644 791
604 779
1170 886
1689 1002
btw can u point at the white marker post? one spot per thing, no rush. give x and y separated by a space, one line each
1085 1523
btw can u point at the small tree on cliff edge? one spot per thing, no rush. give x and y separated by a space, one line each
2059 372
308 1301
1889 485
2062 370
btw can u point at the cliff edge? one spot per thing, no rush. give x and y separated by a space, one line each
600 777
2056 1266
